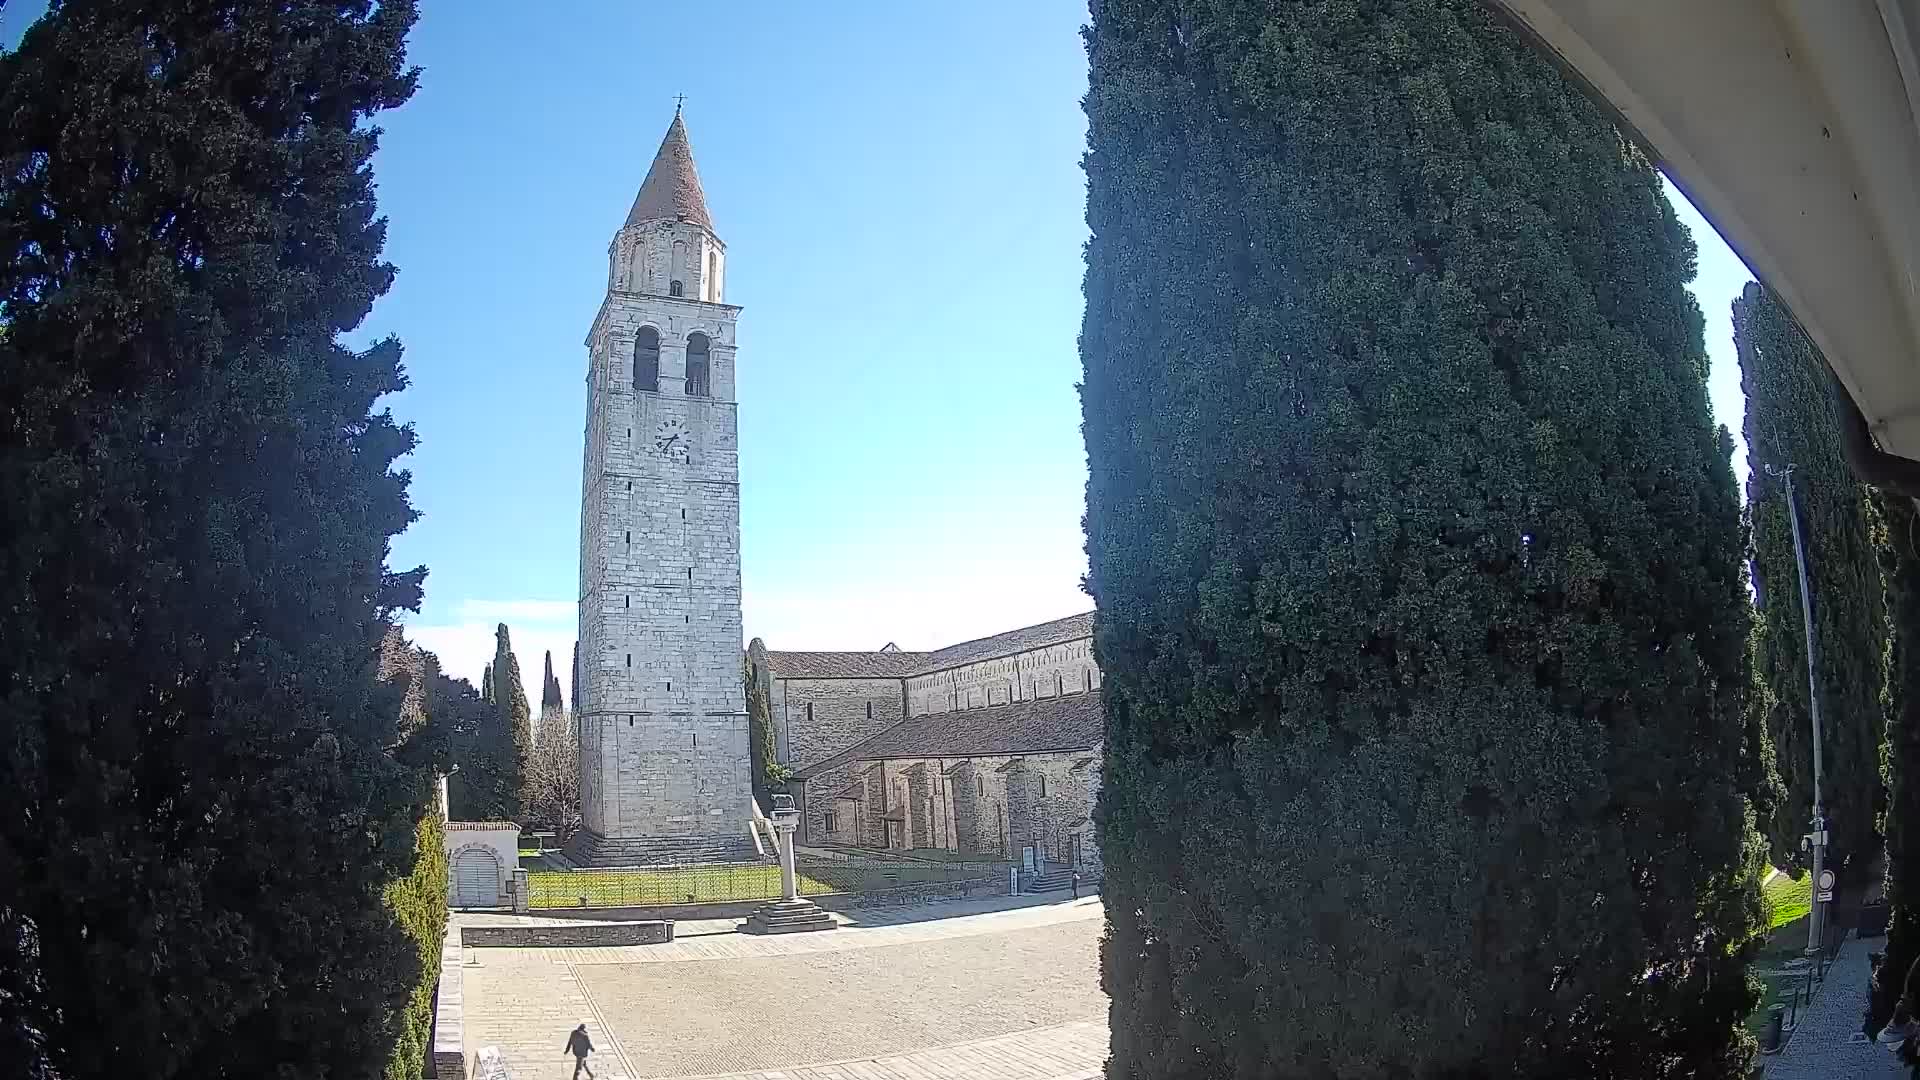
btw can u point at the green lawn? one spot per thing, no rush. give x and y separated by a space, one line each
1789 902
692 885
1788 899
713 884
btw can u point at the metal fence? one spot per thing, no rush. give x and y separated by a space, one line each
745 881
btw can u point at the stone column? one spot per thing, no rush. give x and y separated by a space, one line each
784 826
789 914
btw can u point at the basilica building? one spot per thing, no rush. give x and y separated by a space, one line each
987 747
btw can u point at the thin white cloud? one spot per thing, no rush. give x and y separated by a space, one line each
465 648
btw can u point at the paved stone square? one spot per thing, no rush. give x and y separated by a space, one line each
1828 1044
1008 994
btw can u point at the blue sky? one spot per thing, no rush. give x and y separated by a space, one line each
902 203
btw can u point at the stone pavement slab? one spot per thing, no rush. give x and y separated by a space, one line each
1826 1044
1009 994
1076 1051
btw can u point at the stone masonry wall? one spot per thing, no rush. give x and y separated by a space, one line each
814 719
662 713
1058 823
1067 667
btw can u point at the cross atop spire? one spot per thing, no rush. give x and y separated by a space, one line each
671 191
678 100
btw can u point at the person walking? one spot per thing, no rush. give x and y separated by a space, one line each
579 1045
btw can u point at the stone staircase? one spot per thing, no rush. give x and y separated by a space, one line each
789 917
588 850
1053 880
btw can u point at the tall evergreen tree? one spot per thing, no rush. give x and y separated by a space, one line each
551 703
573 684
418 900
1790 421
486 684
1900 562
473 790
762 758
208 793
1417 558
516 722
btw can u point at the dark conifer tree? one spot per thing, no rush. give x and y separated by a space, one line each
207 792
1790 421
1417 558
515 726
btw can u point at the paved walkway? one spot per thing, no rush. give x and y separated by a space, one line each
1827 1044
1006 989
1067 1052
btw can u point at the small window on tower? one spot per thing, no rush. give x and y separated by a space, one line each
646 360
869 710
675 288
1043 787
699 384
980 785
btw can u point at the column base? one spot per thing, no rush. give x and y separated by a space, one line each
789 917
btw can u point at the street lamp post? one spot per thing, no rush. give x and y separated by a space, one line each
1816 841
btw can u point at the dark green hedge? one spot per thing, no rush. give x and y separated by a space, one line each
419 903
1417 558
1900 560
1790 420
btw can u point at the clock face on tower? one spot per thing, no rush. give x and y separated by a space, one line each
670 440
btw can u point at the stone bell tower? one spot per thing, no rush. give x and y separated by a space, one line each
661 708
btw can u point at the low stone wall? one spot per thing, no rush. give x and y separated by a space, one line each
925 892
898 896
719 909
651 932
449 1013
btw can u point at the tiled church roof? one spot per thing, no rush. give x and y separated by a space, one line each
844 665
671 191
1069 722
1013 641
899 665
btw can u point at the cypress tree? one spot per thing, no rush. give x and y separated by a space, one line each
551 704
1900 562
515 725
1790 421
574 683
1417 559
472 790
762 757
418 901
486 684
208 792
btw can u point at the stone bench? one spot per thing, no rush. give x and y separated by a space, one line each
583 934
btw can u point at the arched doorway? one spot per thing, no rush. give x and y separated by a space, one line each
476 878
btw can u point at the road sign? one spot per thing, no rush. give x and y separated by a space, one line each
1823 897
1826 881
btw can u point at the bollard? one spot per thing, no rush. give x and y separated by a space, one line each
1770 1039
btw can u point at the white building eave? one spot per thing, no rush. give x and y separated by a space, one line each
1791 124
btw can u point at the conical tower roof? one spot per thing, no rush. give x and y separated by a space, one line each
671 191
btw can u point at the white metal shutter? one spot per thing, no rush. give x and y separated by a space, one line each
476 879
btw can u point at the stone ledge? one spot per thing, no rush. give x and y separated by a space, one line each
651 932
449 1008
